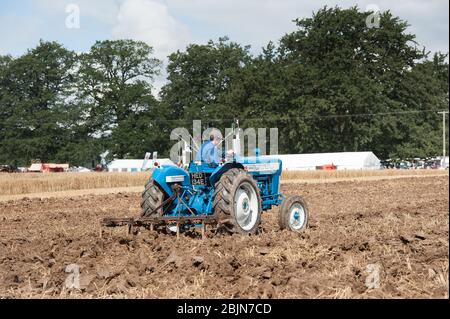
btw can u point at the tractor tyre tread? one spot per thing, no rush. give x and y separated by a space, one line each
151 198
223 199
284 212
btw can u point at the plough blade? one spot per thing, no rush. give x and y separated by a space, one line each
152 221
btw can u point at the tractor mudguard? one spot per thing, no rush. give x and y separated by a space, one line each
215 176
166 175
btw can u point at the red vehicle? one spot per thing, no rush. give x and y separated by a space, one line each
48 168
327 167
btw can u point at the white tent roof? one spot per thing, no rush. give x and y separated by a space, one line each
35 167
345 160
136 164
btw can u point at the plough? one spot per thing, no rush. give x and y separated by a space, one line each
153 221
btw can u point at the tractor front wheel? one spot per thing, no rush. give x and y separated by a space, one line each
293 214
237 202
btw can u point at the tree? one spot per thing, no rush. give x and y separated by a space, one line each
33 96
200 79
334 84
115 90
424 87
5 109
326 82
347 70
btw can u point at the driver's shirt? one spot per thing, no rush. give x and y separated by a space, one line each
208 153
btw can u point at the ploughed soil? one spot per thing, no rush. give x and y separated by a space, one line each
367 239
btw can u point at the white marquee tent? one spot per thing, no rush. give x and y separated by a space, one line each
135 165
345 160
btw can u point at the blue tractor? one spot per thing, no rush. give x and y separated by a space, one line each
230 196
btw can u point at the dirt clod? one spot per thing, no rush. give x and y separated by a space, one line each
406 239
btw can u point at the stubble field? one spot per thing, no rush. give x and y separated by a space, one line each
368 238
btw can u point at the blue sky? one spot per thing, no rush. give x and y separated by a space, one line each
169 25
24 22
178 22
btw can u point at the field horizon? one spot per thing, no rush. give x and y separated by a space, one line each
37 183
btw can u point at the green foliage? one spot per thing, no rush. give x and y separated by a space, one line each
35 115
115 90
338 68
325 83
200 79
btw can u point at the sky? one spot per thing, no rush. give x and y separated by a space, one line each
169 25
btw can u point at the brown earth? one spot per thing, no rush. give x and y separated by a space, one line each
399 226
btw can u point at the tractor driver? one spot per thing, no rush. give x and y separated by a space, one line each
209 151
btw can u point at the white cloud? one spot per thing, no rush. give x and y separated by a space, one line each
150 21
169 25
145 20
256 22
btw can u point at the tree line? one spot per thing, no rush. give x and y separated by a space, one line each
331 85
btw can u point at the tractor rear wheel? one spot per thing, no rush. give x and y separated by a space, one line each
151 198
237 202
293 214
